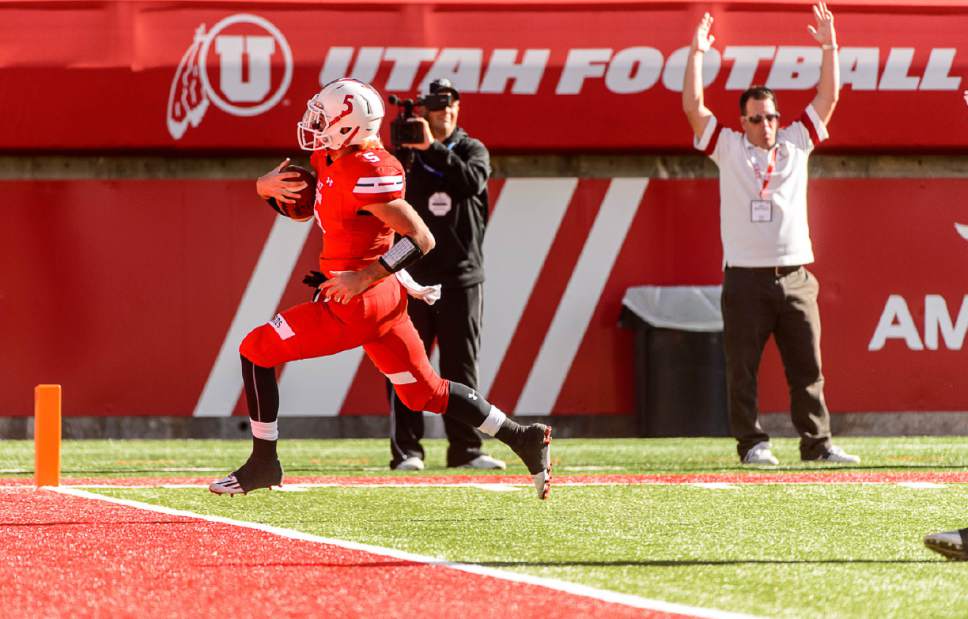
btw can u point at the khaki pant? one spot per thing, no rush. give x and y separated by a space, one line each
756 303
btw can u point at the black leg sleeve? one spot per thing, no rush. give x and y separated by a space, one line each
261 391
466 405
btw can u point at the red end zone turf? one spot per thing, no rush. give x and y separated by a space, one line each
73 556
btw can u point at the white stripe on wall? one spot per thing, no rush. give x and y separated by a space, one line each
318 387
523 226
582 295
258 304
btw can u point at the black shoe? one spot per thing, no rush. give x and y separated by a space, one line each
254 474
534 449
952 544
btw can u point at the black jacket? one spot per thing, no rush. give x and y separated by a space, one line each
454 173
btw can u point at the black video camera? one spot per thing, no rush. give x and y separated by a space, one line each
402 131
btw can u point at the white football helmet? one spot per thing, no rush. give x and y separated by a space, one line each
343 113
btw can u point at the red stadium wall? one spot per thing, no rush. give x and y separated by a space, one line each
133 294
202 75
125 292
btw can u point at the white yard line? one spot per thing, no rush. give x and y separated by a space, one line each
612 597
920 485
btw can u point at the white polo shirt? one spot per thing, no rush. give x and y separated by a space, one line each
774 231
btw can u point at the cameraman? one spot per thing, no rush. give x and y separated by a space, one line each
447 185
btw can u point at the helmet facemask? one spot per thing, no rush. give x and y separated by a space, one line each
343 113
312 129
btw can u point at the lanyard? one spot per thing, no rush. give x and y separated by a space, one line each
430 169
765 178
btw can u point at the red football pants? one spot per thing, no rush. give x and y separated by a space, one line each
376 320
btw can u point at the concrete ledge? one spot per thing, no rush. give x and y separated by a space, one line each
878 424
582 165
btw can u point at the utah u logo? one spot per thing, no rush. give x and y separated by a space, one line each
245 56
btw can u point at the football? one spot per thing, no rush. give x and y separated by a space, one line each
306 202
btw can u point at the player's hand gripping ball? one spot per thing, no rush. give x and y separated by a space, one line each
305 204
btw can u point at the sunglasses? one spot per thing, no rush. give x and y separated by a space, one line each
758 118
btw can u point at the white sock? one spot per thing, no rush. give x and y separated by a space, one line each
495 419
266 431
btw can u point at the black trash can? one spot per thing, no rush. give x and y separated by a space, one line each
680 366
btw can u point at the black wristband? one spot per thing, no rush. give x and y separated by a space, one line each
403 253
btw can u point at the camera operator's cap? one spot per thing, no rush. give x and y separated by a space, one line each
442 85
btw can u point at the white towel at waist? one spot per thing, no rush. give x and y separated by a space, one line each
427 294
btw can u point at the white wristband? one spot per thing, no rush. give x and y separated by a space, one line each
829 46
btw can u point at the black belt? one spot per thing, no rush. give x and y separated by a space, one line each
774 271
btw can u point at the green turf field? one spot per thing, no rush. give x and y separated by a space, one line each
571 456
851 550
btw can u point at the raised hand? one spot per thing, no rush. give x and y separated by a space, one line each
703 40
277 184
824 30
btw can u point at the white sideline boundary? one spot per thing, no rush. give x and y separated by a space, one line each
613 597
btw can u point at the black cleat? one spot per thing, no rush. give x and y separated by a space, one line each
254 474
952 544
534 449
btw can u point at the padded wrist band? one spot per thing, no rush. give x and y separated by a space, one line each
403 253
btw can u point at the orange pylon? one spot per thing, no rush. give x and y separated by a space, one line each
47 435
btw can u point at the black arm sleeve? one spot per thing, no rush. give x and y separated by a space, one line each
463 176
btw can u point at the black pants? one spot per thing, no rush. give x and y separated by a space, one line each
455 322
757 303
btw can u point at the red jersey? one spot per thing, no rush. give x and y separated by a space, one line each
352 236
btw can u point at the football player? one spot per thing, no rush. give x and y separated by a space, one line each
359 207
